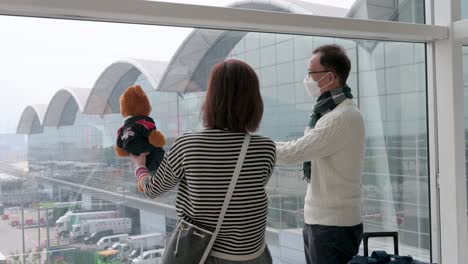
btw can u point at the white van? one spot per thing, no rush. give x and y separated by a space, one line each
108 241
150 257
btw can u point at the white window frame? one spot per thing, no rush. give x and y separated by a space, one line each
448 74
432 137
444 33
185 15
460 29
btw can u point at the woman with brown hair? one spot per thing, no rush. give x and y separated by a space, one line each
203 163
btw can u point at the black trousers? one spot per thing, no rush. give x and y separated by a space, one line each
331 244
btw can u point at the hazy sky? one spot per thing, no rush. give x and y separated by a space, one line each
38 57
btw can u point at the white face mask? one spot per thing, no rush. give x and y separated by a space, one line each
312 87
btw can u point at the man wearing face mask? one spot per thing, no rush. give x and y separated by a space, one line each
332 153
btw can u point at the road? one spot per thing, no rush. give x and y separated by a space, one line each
11 238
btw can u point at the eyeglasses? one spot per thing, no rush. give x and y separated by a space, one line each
312 72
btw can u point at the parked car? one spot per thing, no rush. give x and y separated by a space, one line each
94 237
108 241
150 257
144 242
122 249
137 252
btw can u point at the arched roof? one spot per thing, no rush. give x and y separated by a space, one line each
291 6
64 106
376 10
31 119
186 71
193 61
104 97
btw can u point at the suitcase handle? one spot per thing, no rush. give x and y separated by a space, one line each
368 235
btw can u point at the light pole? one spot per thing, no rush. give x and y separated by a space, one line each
22 223
39 227
48 235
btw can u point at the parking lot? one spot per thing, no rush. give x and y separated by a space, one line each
11 236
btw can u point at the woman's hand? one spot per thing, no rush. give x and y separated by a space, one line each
140 160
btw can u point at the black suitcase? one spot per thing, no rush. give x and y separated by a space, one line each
382 257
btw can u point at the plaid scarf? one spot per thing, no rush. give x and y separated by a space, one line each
325 103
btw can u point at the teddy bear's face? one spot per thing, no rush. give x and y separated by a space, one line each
134 102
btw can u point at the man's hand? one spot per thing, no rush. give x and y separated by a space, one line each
139 161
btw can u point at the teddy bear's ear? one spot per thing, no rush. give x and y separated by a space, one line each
157 139
120 152
139 91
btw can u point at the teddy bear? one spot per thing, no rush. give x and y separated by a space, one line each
138 133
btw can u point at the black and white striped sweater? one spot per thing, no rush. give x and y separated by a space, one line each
203 164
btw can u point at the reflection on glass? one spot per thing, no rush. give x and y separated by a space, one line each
389 78
76 162
464 9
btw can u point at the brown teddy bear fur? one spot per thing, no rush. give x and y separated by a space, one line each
134 102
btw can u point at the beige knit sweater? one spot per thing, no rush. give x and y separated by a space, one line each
336 148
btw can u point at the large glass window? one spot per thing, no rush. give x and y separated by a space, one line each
464 9
71 164
389 81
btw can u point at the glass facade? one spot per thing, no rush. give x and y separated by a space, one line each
77 163
72 166
409 11
62 186
464 9
388 79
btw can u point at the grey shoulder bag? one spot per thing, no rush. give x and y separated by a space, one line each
192 244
